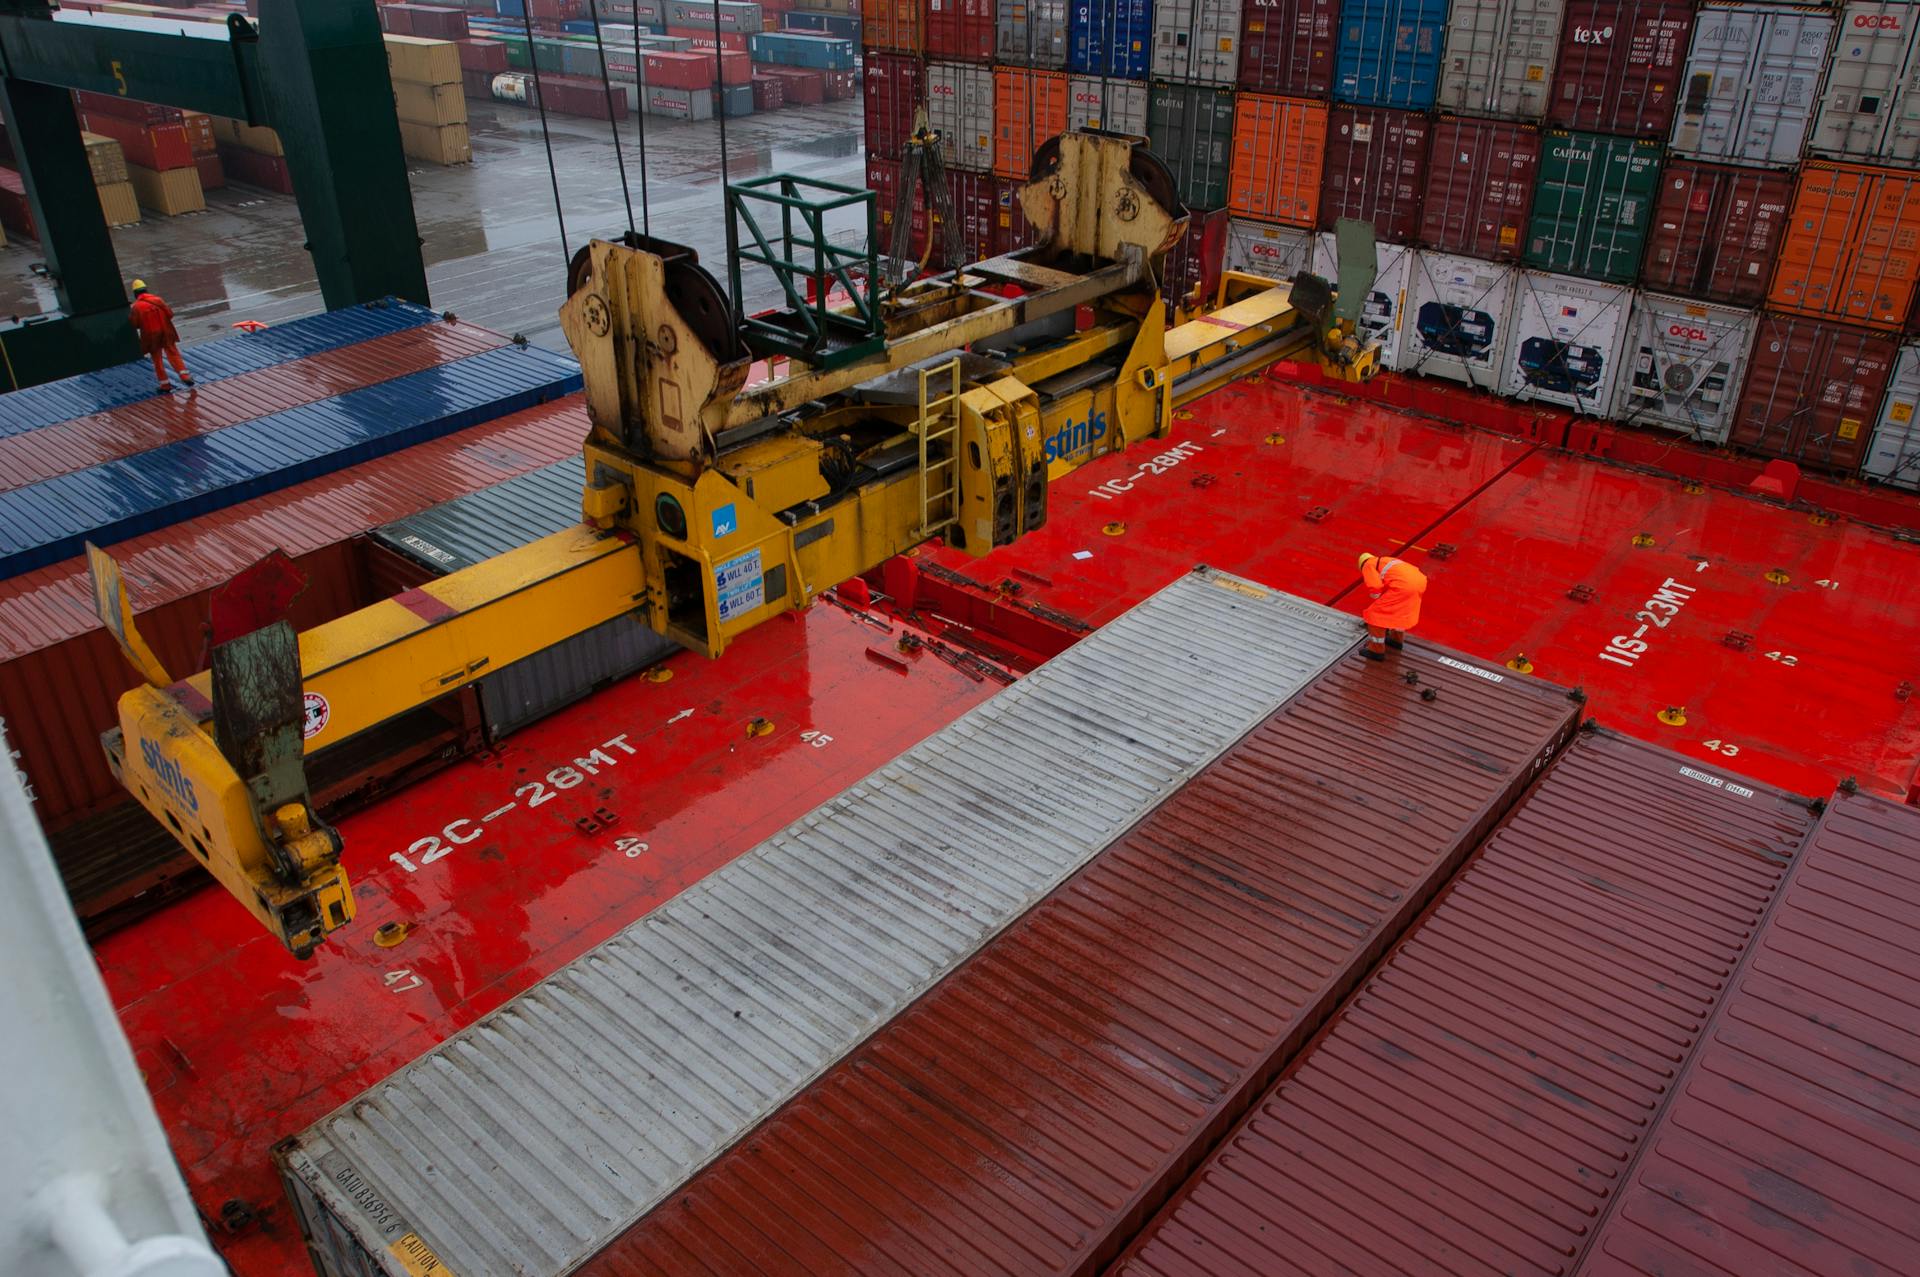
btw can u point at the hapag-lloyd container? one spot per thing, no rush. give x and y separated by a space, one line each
1480 180
1564 342
1382 315
1813 391
1028 108
1752 78
1716 231
1619 65
1389 52
1685 363
1894 455
1110 37
1191 128
1852 248
960 30
895 88
1287 46
1457 314
1279 146
1499 57
1870 105
1594 205
1258 248
1095 102
1031 33
960 107
1196 41
892 25
1375 169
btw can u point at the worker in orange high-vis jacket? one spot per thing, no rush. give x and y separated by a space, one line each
152 318
1395 587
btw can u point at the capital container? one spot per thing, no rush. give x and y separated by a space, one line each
1619 65
1026 1115
1893 456
1564 342
1194 263
1279 148
960 30
1028 108
1261 248
892 25
1389 52
1716 231
1752 78
1196 41
1499 57
1110 37
1287 46
960 106
1685 363
1852 248
1099 102
1594 205
1813 391
1375 169
1383 313
1868 108
1190 126
1457 315
896 85
1480 180
1031 33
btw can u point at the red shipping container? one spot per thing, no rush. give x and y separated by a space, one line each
1376 169
769 92
1286 46
896 88
556 10
803 87
679 70
396 19
483 55
961 30
1479 187
1716 231
199 129
1813 391
702 37
212 175
840 86
1010 230
1194 264
154 146
883 179
976 207
15 213
478 84
1620 64
581 96
268 172
433 22
126 108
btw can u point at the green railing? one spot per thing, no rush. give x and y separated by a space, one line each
804 261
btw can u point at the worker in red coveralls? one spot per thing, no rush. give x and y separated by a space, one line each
152 318
1395 587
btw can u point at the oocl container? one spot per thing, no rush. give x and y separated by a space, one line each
1095 102
1279 146
1259 248
1382 313
1894 455
1456 318
1479 190
1499 57
1028 108
1852 248
1716 231
1190 126
1389 52
1375 169
1110 37
1196 41
1619 65
892 25
896 85
1752 77
1813 391
962 30
1866 108
1565 341
1594 205
1685 363
1287 46
1031 33
960 107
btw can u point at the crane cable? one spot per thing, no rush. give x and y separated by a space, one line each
553 174
720 80
640 121
606 87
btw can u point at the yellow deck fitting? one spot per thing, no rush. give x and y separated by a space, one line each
658 674
1643 539
1778 576
759 727
1114 529
1520 663
1673 716
389 934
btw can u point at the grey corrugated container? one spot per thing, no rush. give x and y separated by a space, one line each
960 106
1196 41
1031 34
522 1145
1752 77
1499 57
1864 113
1097 102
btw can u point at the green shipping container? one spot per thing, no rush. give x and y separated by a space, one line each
1190 127
1594 205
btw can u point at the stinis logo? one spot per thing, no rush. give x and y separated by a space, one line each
168 773
1076 437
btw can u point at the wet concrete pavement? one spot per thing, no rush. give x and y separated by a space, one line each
492 244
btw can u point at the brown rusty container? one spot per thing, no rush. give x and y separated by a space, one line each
1619 66
1479 187
1813 391
1716 231
1376 169
1286 46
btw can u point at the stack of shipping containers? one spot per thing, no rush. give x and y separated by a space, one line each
1701 218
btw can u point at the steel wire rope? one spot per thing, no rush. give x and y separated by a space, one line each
640 120
606 88
553 174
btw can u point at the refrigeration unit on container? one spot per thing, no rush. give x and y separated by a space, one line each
1716 231
1593 206
1456 317
1279 147
896 85
1813 391
1894 454
1028 108
960 107
1287 46
1196 41
1260 248
1619 65
1382 315
1031 33
892 25
962 30
1389 52
1752 77
1190 127
1480 180
1867 107
1096 102
1685 363
1110 37
1375 169
1564 341
1852 247
1499 57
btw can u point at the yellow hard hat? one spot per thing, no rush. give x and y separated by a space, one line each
1365 559
138 285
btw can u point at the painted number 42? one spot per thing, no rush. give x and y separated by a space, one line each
1782 657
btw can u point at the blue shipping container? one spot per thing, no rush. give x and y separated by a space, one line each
1113 37
801 49
1389 52
510 8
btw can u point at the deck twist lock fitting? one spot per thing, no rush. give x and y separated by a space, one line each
1778 576
1520 663
1673 716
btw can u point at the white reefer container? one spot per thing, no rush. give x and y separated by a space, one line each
1685 364
1456 318
1385 307
1894 454
1278 252
1564 343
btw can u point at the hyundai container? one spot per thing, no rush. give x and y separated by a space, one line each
1279 147
1028 108
1852 247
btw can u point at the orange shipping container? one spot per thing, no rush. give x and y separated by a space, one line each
1028 108
1278 147
1852 247
893 25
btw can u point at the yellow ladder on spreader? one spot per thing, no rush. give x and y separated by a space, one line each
939 431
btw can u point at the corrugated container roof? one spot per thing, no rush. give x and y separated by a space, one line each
527 1142
1027 1114
1477 1102
115 387
470 529
1792 1145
